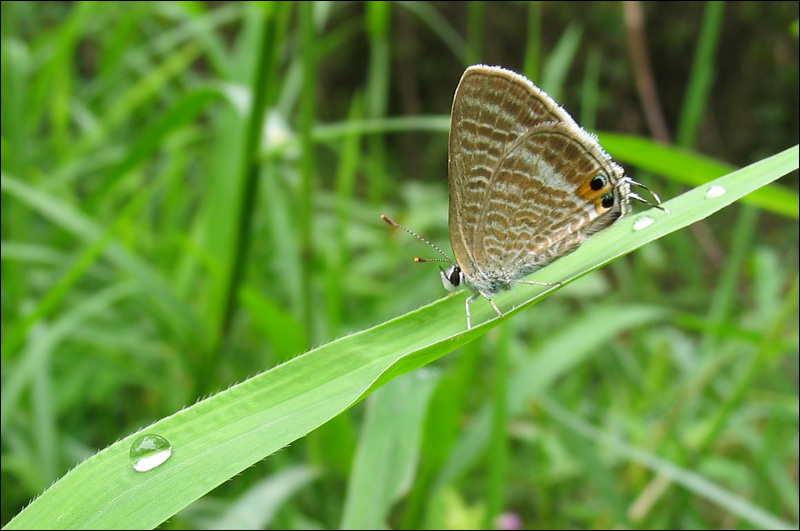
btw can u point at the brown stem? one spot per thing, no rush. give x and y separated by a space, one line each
645 84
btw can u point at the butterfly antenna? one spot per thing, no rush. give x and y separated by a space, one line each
421 260
632 195
418 259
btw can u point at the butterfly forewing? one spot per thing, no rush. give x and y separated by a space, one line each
492 108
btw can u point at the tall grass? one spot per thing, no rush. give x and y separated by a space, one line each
191 197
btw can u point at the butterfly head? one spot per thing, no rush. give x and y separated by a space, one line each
452 277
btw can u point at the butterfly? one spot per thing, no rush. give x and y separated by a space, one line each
528 185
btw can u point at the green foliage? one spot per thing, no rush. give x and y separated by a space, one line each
191 199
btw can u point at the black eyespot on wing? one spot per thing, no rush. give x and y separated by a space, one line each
608 200
598 182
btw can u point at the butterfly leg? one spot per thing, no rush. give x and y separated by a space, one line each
643 200
488 298
534 283
469 300
491 300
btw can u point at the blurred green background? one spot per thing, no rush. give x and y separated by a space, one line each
148 262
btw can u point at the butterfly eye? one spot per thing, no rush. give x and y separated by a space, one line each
455 276
598 183
608 200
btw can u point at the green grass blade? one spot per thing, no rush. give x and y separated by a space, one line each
250 172
476 31
308 174
441 26
40 347
138 95
499 452
388 450
217 438
533 43
554 73
687 478
256 508
14 335
376 96
700 81
152 138
176 311
693 169
562 353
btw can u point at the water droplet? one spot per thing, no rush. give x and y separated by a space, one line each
643 222
716 191
149 451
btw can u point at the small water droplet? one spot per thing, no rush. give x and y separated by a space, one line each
716 191
149 451
643 222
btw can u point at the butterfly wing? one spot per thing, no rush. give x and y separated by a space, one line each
553 188
498 176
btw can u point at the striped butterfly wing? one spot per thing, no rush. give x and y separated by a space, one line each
553 188
492 108
512 209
